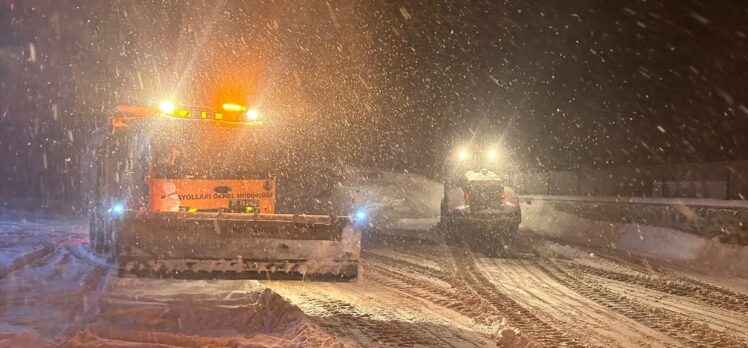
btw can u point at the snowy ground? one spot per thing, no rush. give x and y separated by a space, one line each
54 293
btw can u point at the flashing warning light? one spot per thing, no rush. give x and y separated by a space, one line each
252 115
360 215
117 209
233 107
166 107
492 154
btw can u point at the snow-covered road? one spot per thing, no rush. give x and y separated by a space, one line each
53 292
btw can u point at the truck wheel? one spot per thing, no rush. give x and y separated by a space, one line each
92 237
97 226
512 234
447 229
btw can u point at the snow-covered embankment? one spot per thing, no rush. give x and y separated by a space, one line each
566 219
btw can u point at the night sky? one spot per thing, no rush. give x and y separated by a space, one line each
392 85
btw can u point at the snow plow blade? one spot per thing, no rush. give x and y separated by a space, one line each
238 246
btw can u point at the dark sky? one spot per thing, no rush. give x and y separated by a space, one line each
393 85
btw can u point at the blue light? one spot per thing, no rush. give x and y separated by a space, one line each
117 209
360 215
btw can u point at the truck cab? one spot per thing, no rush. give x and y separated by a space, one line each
186 192
479 207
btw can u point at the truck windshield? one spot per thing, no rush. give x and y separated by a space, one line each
209 152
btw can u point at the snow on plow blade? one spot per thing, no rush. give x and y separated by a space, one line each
230 245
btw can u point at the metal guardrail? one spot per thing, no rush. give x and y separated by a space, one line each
694 202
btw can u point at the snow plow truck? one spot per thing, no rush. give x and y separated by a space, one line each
478 209
190 192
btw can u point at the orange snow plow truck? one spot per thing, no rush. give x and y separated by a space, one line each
185 192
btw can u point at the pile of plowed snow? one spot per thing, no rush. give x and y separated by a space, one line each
40 301
55 293
395 202
654 242
252 319
163 313
15 257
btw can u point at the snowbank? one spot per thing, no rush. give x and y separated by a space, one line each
239 319
55 293
26 237
15 257
660 243
398 203
708 218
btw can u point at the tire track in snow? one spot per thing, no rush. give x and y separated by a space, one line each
712 296
384 298
721 320
522 280
645 338
694 333
413 286
643 266
467 272
477 300
454 297
407 266
460 301
344 316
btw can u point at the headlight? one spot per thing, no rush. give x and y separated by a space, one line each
463 154
492 154
166 107
252 115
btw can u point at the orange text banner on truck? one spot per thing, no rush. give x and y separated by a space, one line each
255 195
